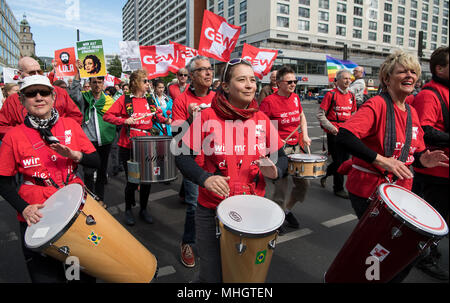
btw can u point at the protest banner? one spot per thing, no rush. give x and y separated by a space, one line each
262 60
130 55
183 55
65 62
157 59
92 57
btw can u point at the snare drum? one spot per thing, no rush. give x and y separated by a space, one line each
74 224
397 227
306 166
152 160
247 226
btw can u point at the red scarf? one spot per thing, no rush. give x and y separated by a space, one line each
227 111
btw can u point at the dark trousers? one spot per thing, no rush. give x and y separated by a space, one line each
339 156
45 269
130 188
99 187
434 190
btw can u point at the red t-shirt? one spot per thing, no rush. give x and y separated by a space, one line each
180 108
344 106
429 110
369 124
117 114
222 151
18 156
174 90
286 112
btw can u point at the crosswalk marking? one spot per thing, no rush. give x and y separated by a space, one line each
294 235
340 220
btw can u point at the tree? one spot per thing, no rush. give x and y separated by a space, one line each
115 67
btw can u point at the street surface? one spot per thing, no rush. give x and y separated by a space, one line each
301 256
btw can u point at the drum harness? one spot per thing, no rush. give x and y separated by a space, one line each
129 108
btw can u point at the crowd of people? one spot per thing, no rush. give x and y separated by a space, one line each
396 135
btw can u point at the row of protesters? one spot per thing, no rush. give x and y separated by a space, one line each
93 104
284 108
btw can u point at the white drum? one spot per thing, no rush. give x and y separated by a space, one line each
248 232
306 166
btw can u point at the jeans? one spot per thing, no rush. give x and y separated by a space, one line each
208 246
190 198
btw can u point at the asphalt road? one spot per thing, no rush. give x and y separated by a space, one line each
301 256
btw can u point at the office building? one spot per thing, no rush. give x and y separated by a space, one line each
9 37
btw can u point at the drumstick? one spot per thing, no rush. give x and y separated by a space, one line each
144 116
285 140
309 151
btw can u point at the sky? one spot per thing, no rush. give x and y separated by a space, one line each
54 23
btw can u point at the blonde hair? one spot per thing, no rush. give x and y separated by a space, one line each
407 60
8 88
135 79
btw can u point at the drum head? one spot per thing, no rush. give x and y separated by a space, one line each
59 210
413 209
306 158
251 215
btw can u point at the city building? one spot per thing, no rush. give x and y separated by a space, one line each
27 44
9 37
158 22
305 31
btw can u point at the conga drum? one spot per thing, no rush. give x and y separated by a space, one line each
307 166
395 230
248 232
74 224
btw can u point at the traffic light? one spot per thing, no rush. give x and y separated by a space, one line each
420 50
345 52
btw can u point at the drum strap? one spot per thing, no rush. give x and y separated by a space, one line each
444 106
390 137
238 176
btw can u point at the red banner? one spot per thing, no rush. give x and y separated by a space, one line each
218 38
157 59
262 60
183 55
65 62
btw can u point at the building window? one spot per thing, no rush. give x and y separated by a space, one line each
401 10
303 12
303 25
342 8
323 28
341 19
399 41
282 22
400 31
243 5
357 22
340 31
388 7
412 33
357 33
413 14
283 9
387 28
243 18
304 2
357 11
324 4
412 43
400 20
372 36
386 38
324 16
412 23
373 25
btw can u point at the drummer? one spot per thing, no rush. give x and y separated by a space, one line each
46 149
284 107
230 167
133 111
378 153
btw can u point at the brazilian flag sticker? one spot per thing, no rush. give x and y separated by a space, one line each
260 257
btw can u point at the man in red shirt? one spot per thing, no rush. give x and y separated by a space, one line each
13 112
178 88
270 88
337 106
284 108
432 107
185 107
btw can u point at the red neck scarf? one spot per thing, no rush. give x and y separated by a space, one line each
227 111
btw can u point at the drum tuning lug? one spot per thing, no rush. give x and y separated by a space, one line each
64 250
396 232
422 245
90 220
272 244
375 212
241 247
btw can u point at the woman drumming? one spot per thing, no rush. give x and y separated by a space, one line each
228 164
46 150
133 111
375 150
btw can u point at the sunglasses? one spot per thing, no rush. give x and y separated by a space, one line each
291 82
182 75
146 81
35 72
233 62
33 93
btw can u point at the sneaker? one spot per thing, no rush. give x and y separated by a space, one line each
341 193
146 216
323 181
129 218
292 220
432 269
187 255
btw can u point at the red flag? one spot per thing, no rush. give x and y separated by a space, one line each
156 59
218 38
65 62
262 60
183 55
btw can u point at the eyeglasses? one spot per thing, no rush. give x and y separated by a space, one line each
291 82
35 72
146 81
182 75
203 69
233 62
33 93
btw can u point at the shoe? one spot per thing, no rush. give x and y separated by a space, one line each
281 230
292 220
323 181
187 255
432 269
341 193
146 216
129 218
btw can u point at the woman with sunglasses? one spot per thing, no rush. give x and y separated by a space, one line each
228 164
135 113
46 150
284 107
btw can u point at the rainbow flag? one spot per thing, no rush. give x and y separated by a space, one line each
334 65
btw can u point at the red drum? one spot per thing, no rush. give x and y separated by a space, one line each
394 231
